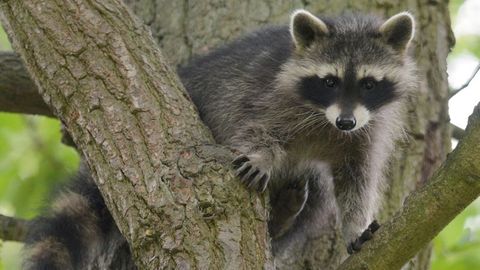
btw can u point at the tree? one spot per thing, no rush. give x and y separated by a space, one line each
98 68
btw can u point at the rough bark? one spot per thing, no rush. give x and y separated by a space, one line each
12 229
169 188
184 28
452 188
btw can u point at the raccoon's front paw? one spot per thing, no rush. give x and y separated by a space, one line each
364 237
252 171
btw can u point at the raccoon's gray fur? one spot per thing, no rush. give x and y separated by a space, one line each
314 109
77 232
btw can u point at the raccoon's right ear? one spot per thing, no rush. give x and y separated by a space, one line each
398 31
306 28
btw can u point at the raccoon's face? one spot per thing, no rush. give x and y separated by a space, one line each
351 67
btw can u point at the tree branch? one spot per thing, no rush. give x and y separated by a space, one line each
426 211
465 85
169 187
12 229
457 132
18 93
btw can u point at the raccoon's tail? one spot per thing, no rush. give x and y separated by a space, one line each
74 230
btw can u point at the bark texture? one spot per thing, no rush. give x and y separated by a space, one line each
169 188
114 121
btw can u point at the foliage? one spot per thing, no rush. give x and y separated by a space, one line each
32 162
467 44
458 245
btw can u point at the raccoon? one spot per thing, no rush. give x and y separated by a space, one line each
313 109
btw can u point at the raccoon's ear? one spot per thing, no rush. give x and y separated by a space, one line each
306 28
398 31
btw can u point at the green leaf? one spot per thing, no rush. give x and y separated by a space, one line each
4 42
467 44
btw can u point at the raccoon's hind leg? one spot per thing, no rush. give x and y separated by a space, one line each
72 231
287 203
319 212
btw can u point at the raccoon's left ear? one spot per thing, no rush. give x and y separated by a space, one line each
398 31
306 28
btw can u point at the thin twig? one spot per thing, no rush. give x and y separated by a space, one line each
454 92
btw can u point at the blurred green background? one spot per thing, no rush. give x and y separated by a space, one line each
33 162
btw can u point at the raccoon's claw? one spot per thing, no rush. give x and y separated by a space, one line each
238 161
374 226
364 237
250 174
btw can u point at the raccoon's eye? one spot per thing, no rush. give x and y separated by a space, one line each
369 84
330 82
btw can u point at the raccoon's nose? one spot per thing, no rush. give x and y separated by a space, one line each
345 122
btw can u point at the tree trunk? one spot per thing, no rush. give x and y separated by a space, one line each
179 226
168 186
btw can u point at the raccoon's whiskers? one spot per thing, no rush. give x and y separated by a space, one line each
318 124
307 123
299 126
